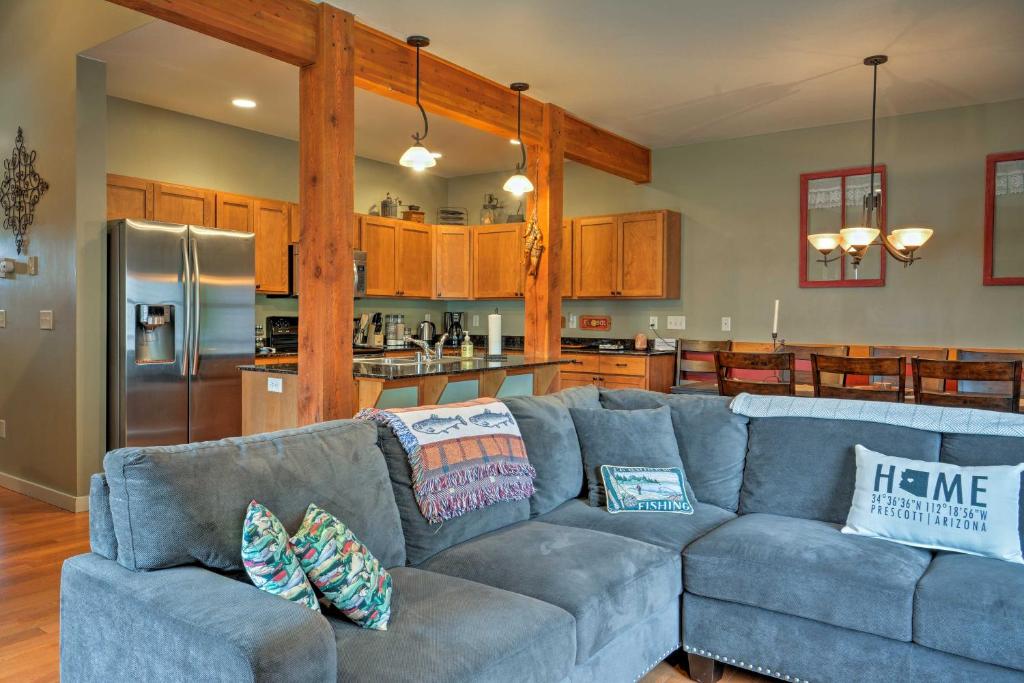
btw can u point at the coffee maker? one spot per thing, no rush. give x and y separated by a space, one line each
453 327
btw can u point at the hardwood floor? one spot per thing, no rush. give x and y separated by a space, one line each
35 539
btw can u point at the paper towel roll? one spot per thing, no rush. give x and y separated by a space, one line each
494 334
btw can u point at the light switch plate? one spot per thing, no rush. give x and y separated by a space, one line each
676 322
726 324
426 316
476 321
46 320
275 385
33 265
653 322
3 429
3 319
573 321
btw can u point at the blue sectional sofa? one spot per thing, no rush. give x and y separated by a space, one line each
548 589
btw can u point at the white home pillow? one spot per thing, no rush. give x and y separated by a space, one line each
973 510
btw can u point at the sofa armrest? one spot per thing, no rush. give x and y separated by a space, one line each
184 623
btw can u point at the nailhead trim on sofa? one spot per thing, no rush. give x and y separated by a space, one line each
656 662
744 665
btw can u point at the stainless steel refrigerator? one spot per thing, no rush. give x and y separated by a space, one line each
181 319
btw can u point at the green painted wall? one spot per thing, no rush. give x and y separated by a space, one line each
740 205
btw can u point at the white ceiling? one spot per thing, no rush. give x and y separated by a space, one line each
166 66
661 72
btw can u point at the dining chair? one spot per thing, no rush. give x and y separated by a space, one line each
892 390
929 353
695 359
803 360
1007 371
981 387
784 364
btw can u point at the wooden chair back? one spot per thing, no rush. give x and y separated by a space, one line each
988 371
823 366
695 359
803 360
910 352
981 387
782 363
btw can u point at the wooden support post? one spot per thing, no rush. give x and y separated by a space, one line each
543 333
327 203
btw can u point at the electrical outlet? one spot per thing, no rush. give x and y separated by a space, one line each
676 322
476 320
654 322
3 429
3 319
726 324
573 321
46 320
275 385
426 316
33 265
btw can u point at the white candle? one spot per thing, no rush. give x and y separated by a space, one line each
494 334
775 318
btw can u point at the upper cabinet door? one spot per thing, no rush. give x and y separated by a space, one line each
295 223
497 261
566 259
271 227
451 262
129 197
380 242
235 212
415 260
642 255
183 204
595 249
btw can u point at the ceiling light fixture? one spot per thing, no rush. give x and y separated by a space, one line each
244 103
902 244
418 157
519 184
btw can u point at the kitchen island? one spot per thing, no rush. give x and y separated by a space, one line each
270 391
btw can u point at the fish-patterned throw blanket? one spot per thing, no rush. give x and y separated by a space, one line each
463 456
929 418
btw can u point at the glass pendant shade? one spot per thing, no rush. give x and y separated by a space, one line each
824 242
859 237
417 158
518 185
912 238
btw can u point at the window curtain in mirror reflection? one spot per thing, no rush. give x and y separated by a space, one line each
826 193
1009 178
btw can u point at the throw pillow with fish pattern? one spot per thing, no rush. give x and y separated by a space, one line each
270 561
344 570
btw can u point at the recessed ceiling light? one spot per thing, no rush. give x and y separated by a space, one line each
436 155
243 103
514 141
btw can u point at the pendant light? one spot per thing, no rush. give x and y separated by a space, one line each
519 184
902 243
418 157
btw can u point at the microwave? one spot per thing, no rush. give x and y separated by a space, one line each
358 272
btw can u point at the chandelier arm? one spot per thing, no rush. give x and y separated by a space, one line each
894 252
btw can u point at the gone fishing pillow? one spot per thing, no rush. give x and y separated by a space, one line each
972 510
645 489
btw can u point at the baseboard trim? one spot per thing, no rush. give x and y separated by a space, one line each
44 493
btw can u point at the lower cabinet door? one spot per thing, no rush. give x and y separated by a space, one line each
623 382
577 379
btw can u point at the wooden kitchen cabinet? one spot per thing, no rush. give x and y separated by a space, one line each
235 212
497 261
271 225
567 259
399 257
295 223
619 371
183 204
129 197
634 255
452 262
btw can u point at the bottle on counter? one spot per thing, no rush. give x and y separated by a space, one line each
467 346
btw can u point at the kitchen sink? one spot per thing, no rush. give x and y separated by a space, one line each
406 361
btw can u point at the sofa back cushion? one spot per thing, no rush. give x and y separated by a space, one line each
176 505
552 444
712 440
101 526
806 467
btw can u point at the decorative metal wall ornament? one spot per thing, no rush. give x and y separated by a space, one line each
20 190
534 245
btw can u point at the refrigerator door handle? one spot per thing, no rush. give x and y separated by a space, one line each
186 283
197 309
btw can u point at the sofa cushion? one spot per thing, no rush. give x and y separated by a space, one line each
608 583
974 607
805 467
101 526
712 439
423 539
658 528
636 438
202 491
447 629
808 569
552 447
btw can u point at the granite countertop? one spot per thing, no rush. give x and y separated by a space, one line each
409 370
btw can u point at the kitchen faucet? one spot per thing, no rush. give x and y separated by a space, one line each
429 355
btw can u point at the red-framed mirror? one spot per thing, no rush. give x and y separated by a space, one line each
1004 219
830 201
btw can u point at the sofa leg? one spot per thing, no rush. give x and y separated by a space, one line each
704 669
